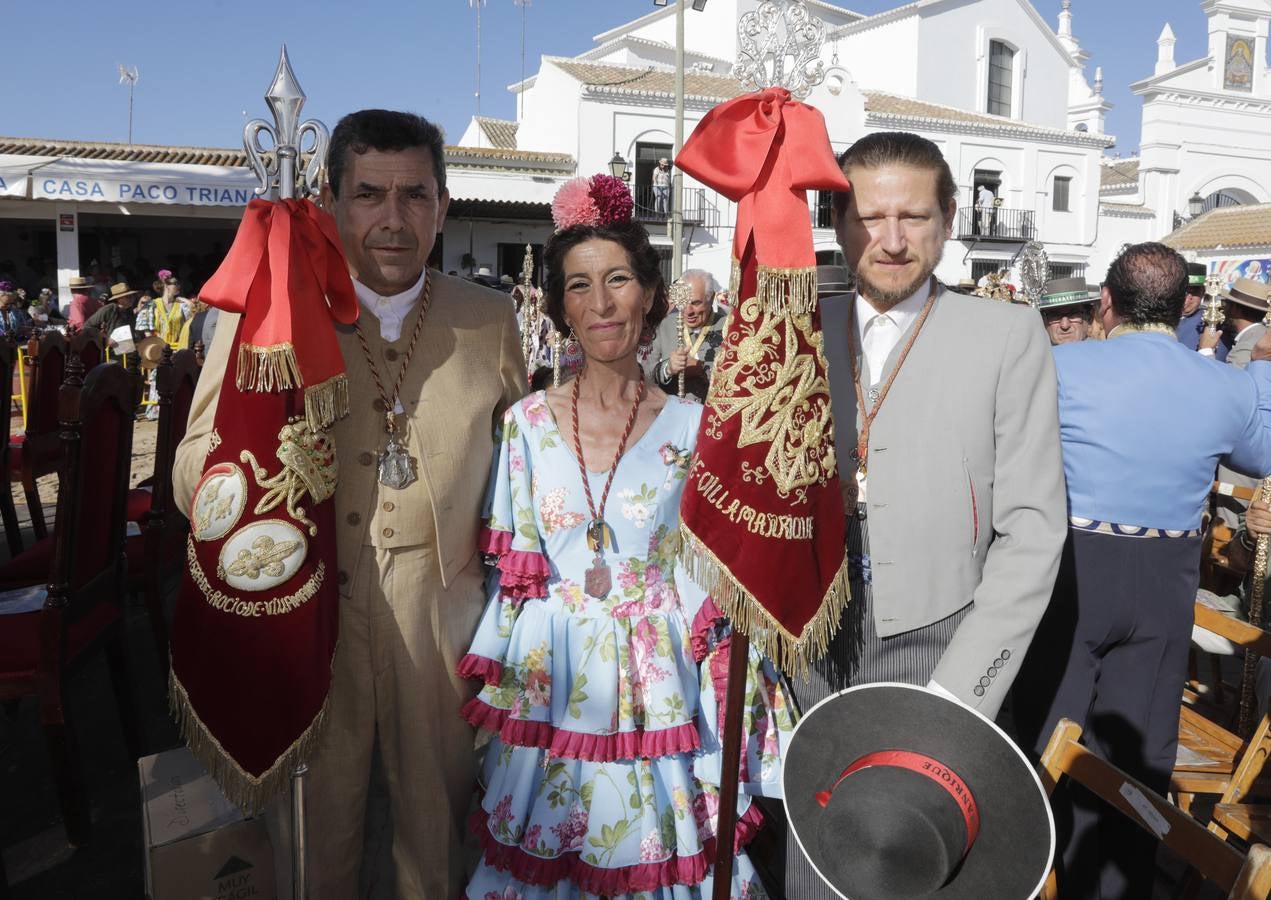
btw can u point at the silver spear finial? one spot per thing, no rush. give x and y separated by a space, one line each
276 168
779 45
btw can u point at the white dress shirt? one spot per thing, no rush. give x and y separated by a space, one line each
879 333
390 311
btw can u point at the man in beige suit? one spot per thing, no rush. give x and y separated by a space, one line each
409 576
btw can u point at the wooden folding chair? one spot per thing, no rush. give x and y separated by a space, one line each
83 595
1244 878
158 552
1210 756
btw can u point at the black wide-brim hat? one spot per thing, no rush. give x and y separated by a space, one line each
898 827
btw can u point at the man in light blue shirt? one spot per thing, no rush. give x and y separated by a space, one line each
1111 653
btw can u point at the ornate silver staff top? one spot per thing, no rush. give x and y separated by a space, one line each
276 168
1034 271
779 45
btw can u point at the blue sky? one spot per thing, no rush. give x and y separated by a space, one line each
204 63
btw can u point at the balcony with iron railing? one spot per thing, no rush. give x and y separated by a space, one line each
997 223
698 210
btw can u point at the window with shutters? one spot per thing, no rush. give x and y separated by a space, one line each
1001 74
1059 196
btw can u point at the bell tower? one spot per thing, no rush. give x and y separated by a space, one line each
1238 45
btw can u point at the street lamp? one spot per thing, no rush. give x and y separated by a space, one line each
618 167
1195 205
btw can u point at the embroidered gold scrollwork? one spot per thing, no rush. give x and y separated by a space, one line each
309 466
774 378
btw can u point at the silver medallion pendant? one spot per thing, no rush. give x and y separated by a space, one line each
397 467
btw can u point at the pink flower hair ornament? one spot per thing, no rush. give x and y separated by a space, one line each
596 201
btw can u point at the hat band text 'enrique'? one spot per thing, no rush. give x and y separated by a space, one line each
923 765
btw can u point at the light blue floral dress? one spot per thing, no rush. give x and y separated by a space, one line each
602 775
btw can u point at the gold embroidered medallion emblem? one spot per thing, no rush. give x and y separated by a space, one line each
262 555
219 501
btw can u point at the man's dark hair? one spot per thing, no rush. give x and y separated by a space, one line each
387 131
887 148
1147 283
1193 270
644 261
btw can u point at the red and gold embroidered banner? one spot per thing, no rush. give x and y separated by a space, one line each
254 632
762 517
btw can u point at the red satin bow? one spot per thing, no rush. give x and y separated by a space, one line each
765 151
286 274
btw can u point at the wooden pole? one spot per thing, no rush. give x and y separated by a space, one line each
730 764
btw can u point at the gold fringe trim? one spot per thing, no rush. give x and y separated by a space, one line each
791 653
251 794
326 402
780 290
734 283
268 369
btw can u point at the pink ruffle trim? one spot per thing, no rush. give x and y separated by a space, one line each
566 744
523 573
492 542
531 869
699 631
480 667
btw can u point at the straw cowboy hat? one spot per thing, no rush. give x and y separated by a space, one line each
79 283
121 289
893 790
150 351
1249 293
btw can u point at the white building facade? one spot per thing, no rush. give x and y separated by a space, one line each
1009 100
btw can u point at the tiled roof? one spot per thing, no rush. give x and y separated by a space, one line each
517 160
1225 227
1121 174
500 133
491 157
649 80
879 103
1130 208
155 153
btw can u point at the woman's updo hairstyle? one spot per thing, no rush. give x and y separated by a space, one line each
599 208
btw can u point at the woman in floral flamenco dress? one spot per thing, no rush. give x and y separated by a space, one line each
597 652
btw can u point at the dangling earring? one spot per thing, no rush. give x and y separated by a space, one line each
556 349
572 347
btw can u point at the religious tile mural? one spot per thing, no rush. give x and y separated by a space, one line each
1231 269
1238 72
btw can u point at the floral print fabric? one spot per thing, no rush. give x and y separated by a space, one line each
601 779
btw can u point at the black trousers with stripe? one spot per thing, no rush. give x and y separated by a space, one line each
1111 654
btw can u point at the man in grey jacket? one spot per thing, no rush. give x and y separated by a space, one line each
948 444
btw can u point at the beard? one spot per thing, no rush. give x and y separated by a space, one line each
883 299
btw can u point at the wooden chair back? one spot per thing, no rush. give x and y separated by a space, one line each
1216 860
97 412
90 345
8 511
165 529
47 364
1213 755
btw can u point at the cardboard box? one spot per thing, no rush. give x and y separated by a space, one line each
198 845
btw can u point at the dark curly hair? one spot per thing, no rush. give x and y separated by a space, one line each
644 260
1147 283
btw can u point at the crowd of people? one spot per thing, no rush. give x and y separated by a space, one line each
1024 505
